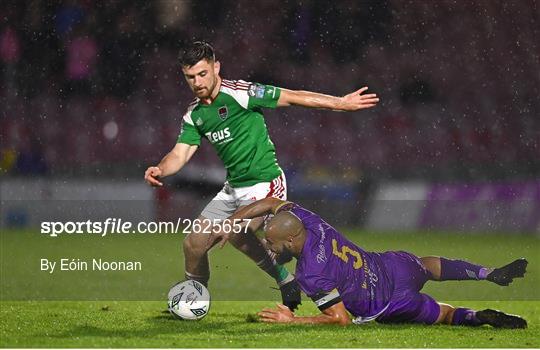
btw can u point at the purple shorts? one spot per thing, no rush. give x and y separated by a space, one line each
407 304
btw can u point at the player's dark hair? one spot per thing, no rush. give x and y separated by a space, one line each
196 51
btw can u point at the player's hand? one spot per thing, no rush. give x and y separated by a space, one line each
151 174
355 100
281 314
220 234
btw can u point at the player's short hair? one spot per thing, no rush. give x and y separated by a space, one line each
196 51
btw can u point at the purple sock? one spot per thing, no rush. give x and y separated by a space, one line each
465 317
452 270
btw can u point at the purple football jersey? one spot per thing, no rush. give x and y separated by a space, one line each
330 265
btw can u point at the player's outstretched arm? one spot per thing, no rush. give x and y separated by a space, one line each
170 164
254 210
259 208
351 102
335 314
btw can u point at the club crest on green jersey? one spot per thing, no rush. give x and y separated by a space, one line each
223 112
199 122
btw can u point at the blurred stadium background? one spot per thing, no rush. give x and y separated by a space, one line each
92 94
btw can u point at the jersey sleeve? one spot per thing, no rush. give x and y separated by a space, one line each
189 134
262 96
322 291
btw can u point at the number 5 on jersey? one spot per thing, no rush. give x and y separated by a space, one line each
343 254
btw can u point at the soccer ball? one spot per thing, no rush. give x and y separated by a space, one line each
189 300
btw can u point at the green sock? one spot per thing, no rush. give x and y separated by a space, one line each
278 272
284 276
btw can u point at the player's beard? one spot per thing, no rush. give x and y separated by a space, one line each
202 93
206 92
284 257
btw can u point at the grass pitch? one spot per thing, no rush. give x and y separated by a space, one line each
142 324
39 309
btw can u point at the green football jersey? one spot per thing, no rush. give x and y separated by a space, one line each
234 125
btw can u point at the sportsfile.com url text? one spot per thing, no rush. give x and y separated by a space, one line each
119 226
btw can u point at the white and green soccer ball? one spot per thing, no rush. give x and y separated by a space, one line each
189 300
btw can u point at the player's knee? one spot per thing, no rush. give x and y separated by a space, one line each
195 244
247 238
433 265
245 241
187 245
